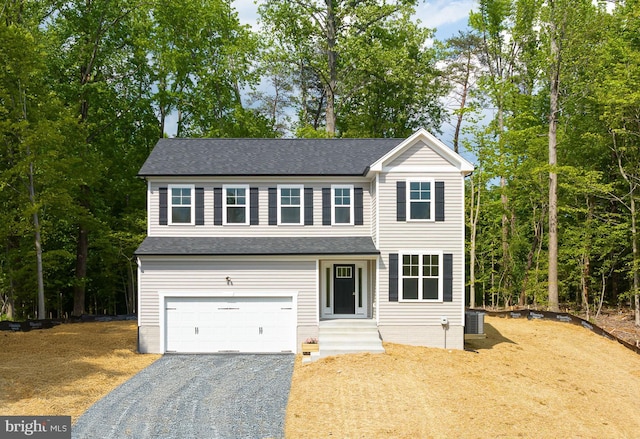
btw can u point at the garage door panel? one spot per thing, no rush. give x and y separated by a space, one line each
246 324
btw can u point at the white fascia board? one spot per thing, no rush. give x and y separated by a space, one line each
443 150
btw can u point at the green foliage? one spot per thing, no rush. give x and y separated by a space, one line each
382 80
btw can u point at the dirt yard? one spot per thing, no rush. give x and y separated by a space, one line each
64 370
527 379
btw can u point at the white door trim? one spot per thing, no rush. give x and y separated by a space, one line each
362 286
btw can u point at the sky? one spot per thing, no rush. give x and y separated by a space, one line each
446 16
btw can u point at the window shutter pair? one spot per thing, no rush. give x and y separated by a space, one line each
358 206
447 277
401 200
308 206
164 206
254 206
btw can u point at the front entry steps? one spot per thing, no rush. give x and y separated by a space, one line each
349 336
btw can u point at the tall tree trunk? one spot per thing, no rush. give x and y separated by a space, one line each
585 276
475 213
504 199
36 219
38 243
634 246
332 61
463 103
553 162
79 288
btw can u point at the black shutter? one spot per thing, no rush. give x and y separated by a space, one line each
199 206
401 201
162 194
217 206
439 200
273 206
357 207
447 277
393 277
254 208
326 206
308 206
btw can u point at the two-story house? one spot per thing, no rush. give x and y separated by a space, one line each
254 244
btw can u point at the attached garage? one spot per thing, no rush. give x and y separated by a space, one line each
229 324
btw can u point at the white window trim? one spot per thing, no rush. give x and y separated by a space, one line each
432 210
192 206
420 254
291 186
333 204
247 205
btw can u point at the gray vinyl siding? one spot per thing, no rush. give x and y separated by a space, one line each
446 236
263 229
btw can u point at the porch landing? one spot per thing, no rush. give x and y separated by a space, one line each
349 336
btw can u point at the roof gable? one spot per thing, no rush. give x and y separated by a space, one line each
465 167
265 157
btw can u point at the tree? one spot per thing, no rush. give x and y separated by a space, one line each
463 68
619 93
347 59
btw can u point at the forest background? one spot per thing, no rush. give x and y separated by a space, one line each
543 95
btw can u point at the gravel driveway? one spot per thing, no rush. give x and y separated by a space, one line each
196 396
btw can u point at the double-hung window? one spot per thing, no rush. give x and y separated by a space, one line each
235 206
181 204
421 276
342 204
290 204
420 199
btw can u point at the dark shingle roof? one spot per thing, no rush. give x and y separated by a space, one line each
242 246
229 157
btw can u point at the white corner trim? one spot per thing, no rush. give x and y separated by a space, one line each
149 206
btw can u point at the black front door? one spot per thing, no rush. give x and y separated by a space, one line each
344 288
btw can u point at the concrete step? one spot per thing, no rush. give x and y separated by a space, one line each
355 338
338 337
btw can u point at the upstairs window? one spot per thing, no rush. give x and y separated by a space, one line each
290 204
342 199
420 200
181 204
421 276
235 204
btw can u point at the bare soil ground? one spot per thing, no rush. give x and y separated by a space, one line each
620 323
526 379
64 370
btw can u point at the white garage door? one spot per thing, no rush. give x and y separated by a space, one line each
229 324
